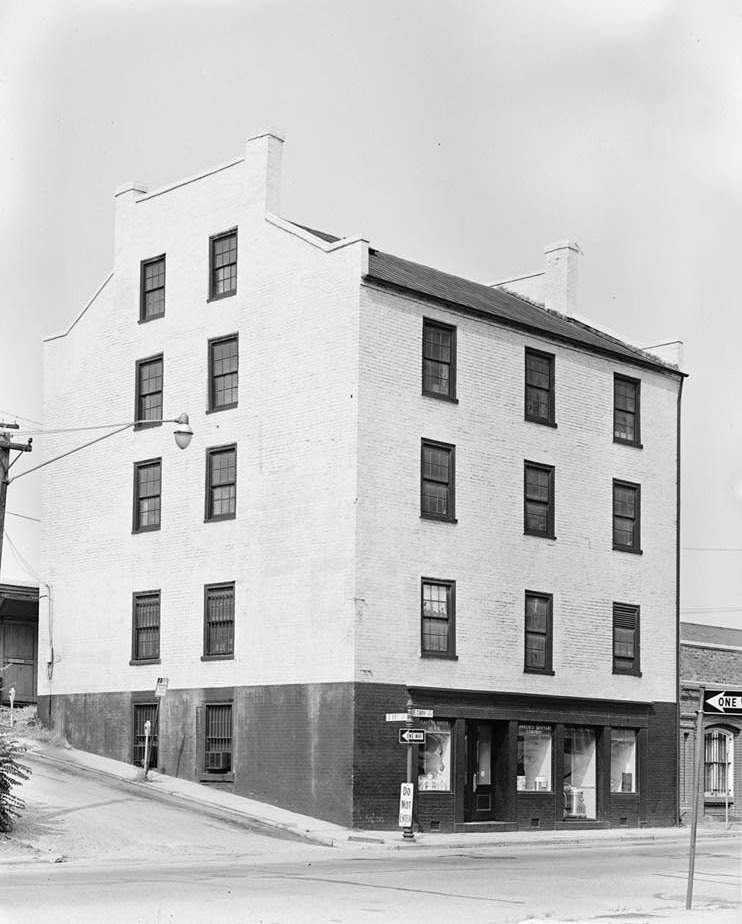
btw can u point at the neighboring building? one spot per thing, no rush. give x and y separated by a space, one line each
710 659
402 485
19 625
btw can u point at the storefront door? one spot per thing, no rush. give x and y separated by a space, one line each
478 792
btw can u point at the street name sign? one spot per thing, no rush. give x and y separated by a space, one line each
397 717
421 713
161 686
727 703
405 805
412 736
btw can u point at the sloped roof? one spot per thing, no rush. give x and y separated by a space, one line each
710 635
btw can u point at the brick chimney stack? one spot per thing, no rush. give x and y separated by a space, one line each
560 283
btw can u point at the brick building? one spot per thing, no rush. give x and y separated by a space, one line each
403 485
710 659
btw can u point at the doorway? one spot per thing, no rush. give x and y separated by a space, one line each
485 756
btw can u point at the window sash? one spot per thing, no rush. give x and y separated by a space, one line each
538 632
149 389
538 500
625 638
222 483
224 264
437 617
224 373
153 289
539 390
146 627
219 621
626 410
438 358
626 499
437 481
148 478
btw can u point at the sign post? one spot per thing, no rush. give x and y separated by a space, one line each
697 791
407 833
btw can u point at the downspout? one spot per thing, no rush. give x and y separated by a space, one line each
677 611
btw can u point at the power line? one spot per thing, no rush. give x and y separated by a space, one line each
23 516
21 417
698 548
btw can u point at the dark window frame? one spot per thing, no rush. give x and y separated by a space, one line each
142 421
636 385
550 470
211 452
548 634
450 449
209 708
213 241
136 597
450 651
210 589
137 526
213 407
626 613
450 395
529 387
635 547
144 315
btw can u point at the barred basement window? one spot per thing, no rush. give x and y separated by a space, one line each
223 373
439 359
152 289
149 391
223 264
219 620
218 749
146 628
625 639
145 712
718 763
221 483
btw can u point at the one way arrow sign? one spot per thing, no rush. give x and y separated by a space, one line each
727 703
412 736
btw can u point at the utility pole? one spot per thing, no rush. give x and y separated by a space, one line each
5 446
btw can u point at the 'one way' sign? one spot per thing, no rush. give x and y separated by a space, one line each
727 703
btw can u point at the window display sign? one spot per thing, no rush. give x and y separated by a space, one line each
434 765
534 758
623 760
579 772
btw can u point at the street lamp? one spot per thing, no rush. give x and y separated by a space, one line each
183 434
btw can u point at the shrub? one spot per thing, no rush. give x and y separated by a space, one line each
12 774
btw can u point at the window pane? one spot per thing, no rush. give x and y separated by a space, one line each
623 427
579 772
435 617
434 761
623 760
436 377
534 758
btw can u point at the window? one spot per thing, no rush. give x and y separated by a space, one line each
540 387
221 483
625 410
534 758
438 624
219 621
538 501
437 481
223 370
579 772
143 713
625 639
434 759
218 750
152 289
223 265
147 488
538 633
439 360
623 760
146 627
626 520
718 754
149 390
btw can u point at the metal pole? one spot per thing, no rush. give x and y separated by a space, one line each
407 832
147 728
4 481
697 791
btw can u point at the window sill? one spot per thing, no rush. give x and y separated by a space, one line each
543 423
439 655
538 670
627 673
631 443
528 532
155 317
717 800
148 425
218 657
205 777
229 516
216 298
452 399
625 548
145 529
440 519
135 662
223 407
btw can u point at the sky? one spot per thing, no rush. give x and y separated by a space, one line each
463 134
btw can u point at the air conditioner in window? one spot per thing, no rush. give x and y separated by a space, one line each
219 760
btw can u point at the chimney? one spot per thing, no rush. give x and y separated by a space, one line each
126 197
263 170
560 282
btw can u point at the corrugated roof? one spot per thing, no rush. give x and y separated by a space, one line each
710 635
500 305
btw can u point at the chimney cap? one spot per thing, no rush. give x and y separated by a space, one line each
267 131
563 245
132 186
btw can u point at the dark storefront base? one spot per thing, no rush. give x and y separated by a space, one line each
325 750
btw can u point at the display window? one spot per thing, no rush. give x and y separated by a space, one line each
534 758
434 762
623 760
579 772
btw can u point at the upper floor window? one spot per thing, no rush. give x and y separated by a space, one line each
221 482
438 638
538 634
626 410
147 490
718 745
223 373
540 387
152 289
625 639
149 390
146 626
439 359
219 621
626 516
437 481
538 500
223 264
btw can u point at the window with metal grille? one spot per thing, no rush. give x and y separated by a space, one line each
152 286
626 410
221 482
626 516
538 500
625 638
223 373
223 265
437 480
149 391
145 712
146 634
218 750
538 633
437 619
147 491
439 359
718 747
539 387
219 620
